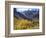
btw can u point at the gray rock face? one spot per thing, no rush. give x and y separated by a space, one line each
28 14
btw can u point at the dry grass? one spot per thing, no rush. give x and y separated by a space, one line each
21 24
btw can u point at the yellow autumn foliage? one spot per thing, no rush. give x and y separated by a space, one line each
22 24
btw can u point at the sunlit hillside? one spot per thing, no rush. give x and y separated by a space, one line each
21 24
